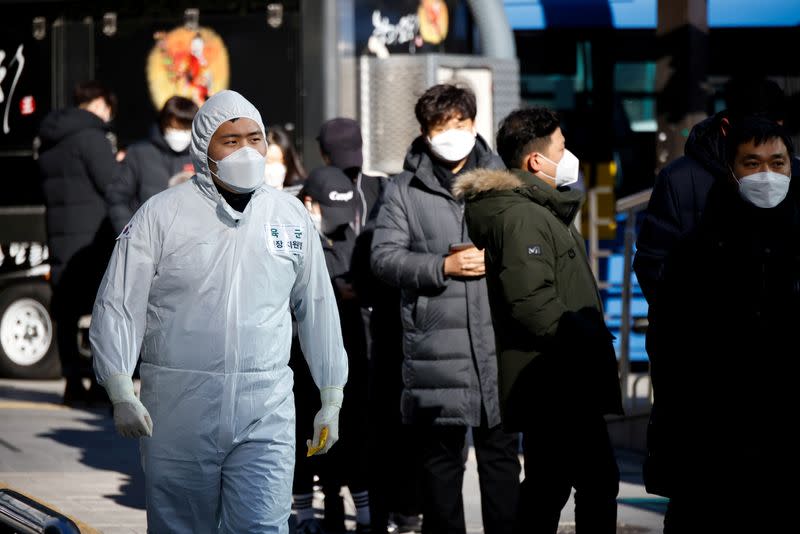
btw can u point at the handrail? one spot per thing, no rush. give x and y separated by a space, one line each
630 206
636 202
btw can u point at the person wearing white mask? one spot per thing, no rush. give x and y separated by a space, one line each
203 282
155 163
728 315
283 169
420 245
556 358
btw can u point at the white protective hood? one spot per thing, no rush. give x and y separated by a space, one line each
221 107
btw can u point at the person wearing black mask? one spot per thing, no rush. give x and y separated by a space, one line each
331 201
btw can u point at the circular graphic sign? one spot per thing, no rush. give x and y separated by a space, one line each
434 21
189 63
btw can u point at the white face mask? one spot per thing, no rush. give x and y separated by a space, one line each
566 170
764 189
242 171
274 174
452 145
178 140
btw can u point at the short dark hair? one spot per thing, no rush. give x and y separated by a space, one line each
745 96
177 108
85 92
523 131
756 129
443 102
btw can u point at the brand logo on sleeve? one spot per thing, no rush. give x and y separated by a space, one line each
534 250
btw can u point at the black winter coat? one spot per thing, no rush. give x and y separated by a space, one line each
728 318
145 171
77 166
676 208
450 367
678 200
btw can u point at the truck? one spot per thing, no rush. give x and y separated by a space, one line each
146 52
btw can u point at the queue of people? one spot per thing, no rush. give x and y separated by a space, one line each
299 331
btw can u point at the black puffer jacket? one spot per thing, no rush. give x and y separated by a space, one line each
145 171
728 317
678 201
450 367
675 210
77 167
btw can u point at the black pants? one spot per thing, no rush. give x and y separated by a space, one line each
730 490
570 452
73 297
395 461
444 454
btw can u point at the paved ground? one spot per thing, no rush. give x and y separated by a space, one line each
74 460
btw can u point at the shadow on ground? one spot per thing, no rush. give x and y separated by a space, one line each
102 448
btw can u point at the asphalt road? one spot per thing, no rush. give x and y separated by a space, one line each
73 460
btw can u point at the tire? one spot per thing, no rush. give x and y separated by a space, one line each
28 347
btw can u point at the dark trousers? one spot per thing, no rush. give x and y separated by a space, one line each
571 452
73 297
734 490
444 455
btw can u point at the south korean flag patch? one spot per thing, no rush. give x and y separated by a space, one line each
286 239
126 232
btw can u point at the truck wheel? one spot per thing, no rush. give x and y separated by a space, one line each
27 338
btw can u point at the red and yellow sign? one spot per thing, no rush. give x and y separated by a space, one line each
434 21
189 63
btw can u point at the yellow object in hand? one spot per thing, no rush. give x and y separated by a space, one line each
323 437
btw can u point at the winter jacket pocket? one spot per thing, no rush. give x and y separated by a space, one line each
420 312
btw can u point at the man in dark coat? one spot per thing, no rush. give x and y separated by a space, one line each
557 367
77 166
682 187
152 165
450 369
722 443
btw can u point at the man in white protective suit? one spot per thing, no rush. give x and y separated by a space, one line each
202 281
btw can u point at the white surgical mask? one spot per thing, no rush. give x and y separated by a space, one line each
178 140
764 189
242 171
452 145
566 170
274 174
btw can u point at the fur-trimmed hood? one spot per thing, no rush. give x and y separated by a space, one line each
480 181
489 193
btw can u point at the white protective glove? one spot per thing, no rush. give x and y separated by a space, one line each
327 416
130 416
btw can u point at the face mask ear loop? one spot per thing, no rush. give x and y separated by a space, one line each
735 178
551 161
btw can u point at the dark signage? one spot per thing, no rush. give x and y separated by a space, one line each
385 27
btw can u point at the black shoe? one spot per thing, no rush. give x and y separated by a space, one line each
363 529
407 524
75 393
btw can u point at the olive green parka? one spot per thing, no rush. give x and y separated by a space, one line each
555 354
